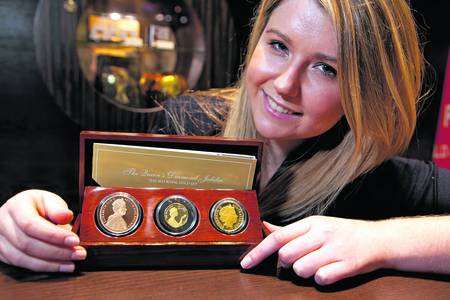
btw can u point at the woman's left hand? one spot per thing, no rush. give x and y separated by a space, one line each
329 248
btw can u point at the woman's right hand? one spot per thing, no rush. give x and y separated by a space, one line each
30 236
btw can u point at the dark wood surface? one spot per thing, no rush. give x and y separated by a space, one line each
213 284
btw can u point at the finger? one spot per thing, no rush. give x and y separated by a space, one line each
297 248
334 272
309 264
37 248
52 207
33 225
19 259
3 259
271 227
66 227
273 242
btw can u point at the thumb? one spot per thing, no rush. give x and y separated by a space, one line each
270 227
53 208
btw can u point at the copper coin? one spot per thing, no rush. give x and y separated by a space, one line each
118 214
229 216
176 215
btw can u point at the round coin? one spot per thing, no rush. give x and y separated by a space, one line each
176 215
118 214
228 216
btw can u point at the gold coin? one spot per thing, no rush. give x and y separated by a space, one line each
118 214
176 215
229 216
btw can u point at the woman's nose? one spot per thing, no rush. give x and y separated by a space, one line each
287 84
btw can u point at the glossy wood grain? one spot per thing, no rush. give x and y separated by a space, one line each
148 232
148 246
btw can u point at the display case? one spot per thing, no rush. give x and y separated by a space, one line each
129 227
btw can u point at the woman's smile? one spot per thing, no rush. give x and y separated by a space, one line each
278 111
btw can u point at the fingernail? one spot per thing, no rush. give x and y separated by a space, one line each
319 279
71 241
79 254
246 262
67 268
297 270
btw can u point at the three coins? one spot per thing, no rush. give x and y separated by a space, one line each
120 214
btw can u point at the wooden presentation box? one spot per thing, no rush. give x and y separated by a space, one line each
148 245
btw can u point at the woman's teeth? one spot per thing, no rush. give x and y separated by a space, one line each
278 108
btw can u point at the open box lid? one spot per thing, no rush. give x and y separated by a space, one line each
200 143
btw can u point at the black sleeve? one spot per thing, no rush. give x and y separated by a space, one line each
443 190
398 187
183 115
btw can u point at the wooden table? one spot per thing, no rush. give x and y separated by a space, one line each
219 283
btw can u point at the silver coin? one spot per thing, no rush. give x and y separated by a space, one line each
118 214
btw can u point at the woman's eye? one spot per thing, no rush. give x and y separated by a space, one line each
327 70
278 46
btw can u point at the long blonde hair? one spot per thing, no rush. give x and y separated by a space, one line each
380 71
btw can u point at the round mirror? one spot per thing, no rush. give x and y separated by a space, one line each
106 61
136 52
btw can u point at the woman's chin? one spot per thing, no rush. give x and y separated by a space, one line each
274 134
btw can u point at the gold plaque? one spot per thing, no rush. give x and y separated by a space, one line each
229 216
141 167
118 214
176 215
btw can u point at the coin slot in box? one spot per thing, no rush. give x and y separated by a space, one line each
203 244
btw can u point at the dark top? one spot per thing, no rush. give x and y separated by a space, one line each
398 187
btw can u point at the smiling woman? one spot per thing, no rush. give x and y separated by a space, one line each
312 58
293 87
309 63
331 86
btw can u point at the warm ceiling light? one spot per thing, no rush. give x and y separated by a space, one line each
115 16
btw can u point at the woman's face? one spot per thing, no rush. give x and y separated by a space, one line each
291 78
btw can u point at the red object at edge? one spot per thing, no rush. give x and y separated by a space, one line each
441 151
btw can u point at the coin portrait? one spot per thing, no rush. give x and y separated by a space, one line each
176 215
229 216
118 214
